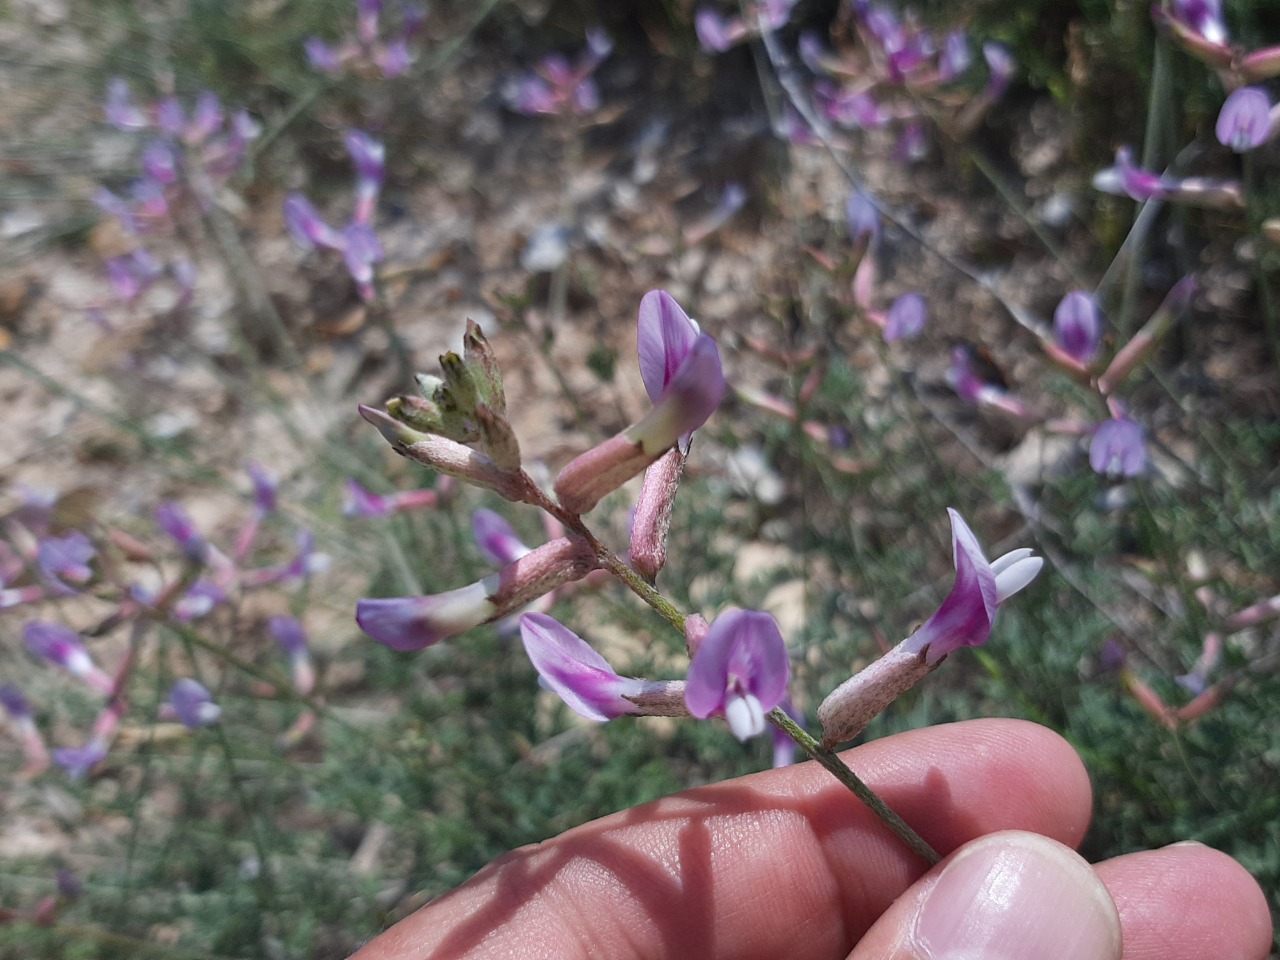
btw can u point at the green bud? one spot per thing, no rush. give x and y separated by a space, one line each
484 367
498 439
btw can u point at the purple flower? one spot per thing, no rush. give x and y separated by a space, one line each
393 59
1245 120
199 600
193 705
411 623
1077 325
1000 62
716 33
63 559
1124 179
265 484
160 162
858 110
206 119
955 57
78 761
359 501
1117 448
558 87
369 156
307 226
321 56
288 632
569 666
61 646
906 318
739 671
175 521
966 615
15 703
120 109
861 217
496 539
361 249
680 366
170 117
1202 16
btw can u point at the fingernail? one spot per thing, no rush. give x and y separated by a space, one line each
1018 896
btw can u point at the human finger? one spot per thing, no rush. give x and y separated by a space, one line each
781 863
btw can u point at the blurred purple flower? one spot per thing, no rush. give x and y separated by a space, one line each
1001 64
955 57
160 162
556 86
176 522
199 600
78 761
265 484
496 538
1202 16
61 646
740 671
307 226
193 705
717 33
571 668
906 317
1118 448
1077 325
321 56
1124 179
411 623
1245 120
858 109
369 157
206 119
15 703
861 217
121 112
967 614
63 559
289 633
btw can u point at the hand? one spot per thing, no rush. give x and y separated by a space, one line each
786 863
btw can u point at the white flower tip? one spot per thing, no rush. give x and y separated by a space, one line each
745 716
1014 571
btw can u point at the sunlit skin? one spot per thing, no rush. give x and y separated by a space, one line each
786 864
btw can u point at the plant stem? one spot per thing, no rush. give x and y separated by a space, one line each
838 769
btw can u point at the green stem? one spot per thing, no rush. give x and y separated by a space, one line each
837 768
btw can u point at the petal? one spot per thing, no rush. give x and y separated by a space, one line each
688 400
411 623
665 336
571 668
496 539
1016 575
743 649
744 715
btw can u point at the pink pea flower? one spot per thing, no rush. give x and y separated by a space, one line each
1118 448
369 157
411 623
681 370
192 704
740 671
964 619
1245 120
1077 325
966 615
61 646
906 318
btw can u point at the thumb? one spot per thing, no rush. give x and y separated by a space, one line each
1005 896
